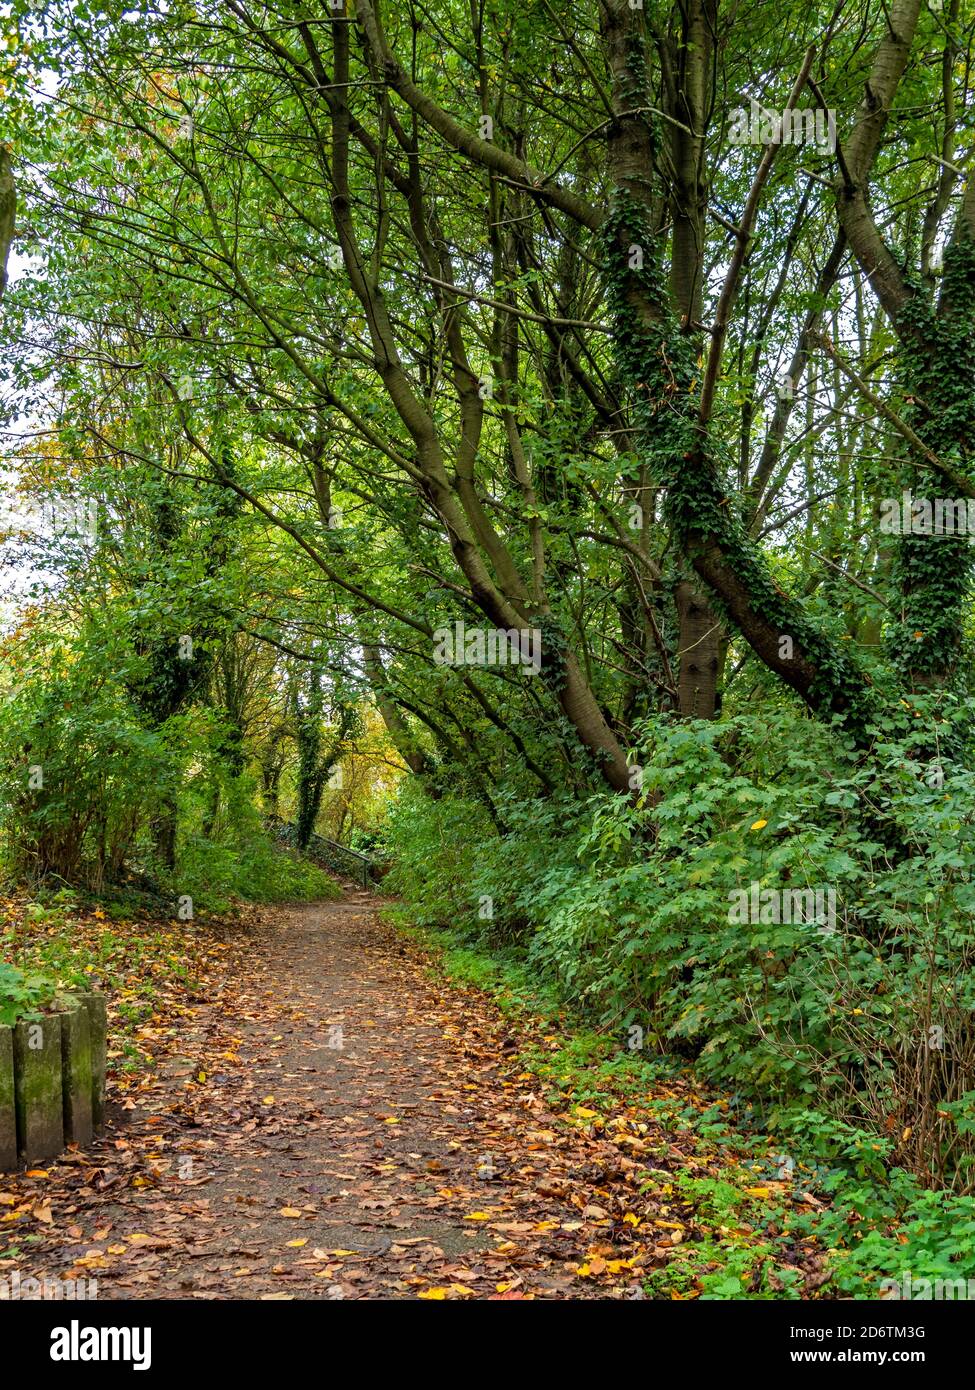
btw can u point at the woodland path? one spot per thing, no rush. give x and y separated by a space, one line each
263 1160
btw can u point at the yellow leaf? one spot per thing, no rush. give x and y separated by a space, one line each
297 1244
760 825
201 1076
757 1191
478 1216
289 1211
268 1100
436 1294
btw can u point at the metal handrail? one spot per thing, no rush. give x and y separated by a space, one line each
331 849
346 849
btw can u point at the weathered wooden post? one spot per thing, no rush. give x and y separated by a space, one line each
98 1026
8 1110
52 1080
37 1088
77 1075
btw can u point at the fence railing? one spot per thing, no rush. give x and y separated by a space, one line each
331 853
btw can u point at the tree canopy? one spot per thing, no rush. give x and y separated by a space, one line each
535 440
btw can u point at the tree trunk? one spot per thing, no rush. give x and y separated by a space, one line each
699 651
164 833
659 365
396 726
8 213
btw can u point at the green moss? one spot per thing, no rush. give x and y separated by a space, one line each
6 1070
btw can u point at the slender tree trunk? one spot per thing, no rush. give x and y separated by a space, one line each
213 808
700 641
687 69
270 788
8 213
396 726
164 833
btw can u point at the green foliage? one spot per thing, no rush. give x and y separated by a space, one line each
875 1220
935 1235
22 994
634 909
84 779
248 867
77 770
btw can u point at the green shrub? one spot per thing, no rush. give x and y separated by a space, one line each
79 776
632 906
247 866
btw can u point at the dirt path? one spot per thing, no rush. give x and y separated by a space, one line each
337 1123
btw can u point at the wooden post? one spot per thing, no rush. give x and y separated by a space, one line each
8 1111
98 1024
37 1088
77 1075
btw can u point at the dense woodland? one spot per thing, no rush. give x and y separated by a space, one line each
533 445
